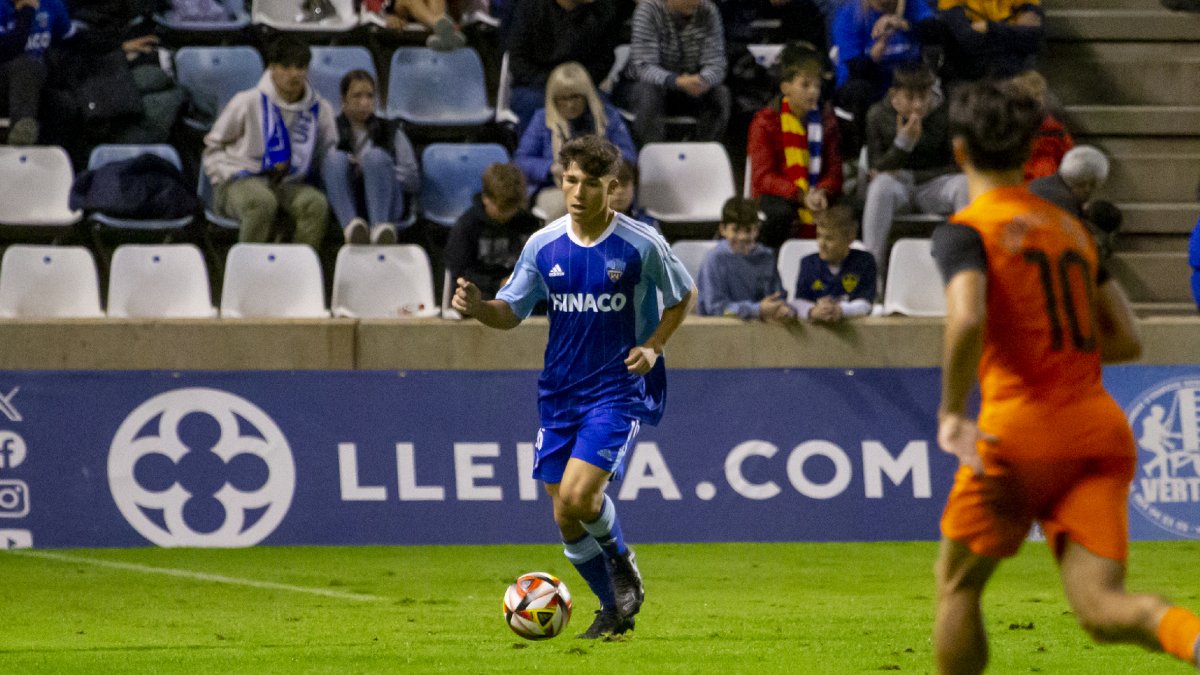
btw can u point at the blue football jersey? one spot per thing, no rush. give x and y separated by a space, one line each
50 23
602 301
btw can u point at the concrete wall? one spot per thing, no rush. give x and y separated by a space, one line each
433 344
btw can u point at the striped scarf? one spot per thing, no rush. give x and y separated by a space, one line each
801 151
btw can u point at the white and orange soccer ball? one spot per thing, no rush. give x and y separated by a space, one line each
537 606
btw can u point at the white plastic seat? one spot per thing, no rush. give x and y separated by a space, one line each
273 281
684 182
914 284
49 282
691 252
35 185
788 262
285 15
159 281
383 282
766 54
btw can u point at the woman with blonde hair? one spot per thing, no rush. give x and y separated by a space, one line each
573 108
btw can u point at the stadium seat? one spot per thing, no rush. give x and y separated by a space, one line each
204 190
236 19
914 284
691 252
273 281
431 88
451 175
35 184
211 76
684 182
106 153
766 55
159 281
49 282
285 15
330 64
788 263
383 282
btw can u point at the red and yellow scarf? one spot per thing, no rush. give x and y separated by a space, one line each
801 151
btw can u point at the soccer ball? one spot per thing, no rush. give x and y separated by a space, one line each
537 606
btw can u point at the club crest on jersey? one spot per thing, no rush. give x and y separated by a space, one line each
1166 426
615 269
850 282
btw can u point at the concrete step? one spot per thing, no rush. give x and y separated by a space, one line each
1152 178
1153 277
1124 73
1116 146
1166 221
1135 242
1136 25
1133 120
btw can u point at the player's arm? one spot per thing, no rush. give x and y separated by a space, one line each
492 313
643 357
1119 339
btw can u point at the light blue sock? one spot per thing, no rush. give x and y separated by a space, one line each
607 530
587 557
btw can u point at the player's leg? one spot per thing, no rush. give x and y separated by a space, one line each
959 639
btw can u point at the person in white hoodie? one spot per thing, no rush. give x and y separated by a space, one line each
263 152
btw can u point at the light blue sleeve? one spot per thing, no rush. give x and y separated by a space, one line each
668 273
525 287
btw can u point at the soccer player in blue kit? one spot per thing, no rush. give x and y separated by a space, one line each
604 376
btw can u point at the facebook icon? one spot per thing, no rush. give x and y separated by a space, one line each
12 450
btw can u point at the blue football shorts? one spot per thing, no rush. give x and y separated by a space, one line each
601 438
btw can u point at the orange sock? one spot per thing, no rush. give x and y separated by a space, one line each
1177 633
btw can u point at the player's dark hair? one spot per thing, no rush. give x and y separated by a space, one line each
288 50
593 154
996 121
740 212
356 75
800 57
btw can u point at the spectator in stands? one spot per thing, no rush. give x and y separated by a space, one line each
27 29
676 66
908 149
797 20
871 39
738 277
624 197
573 108
837 282
372 156
1052 140
265 147
487 240
795 163
545 33
1072 188
431 14
1194 261
990 38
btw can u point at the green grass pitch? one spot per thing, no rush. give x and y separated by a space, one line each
711 608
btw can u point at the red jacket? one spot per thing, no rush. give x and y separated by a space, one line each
768 168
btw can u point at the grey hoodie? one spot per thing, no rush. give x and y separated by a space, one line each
235 143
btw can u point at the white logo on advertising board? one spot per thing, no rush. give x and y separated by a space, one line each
222 475
1166 424
12 449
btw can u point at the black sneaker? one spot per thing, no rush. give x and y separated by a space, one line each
608 622
627 583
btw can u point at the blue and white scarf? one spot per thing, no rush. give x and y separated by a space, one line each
292 147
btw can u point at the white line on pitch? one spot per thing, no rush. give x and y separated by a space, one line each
196 576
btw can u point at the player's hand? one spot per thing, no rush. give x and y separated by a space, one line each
959 436
816 200
467 298
641 360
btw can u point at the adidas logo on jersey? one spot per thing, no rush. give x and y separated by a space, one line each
556 271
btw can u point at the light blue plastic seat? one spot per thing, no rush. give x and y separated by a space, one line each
330 64
212 75
432 88
451 175
236 19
